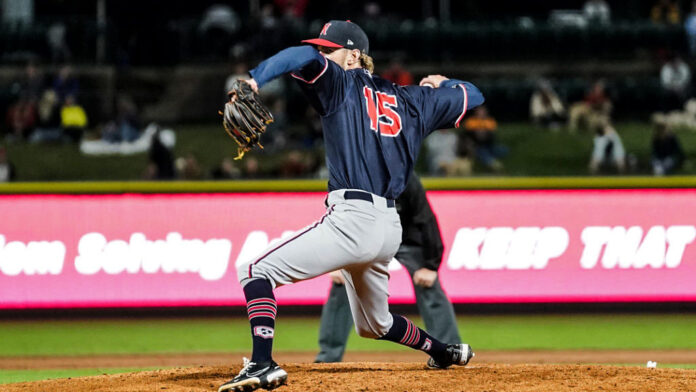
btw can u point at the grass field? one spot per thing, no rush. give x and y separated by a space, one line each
532 152
136 336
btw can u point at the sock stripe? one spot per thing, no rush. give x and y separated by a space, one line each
262 314
256 308
258 312
262 307
416 338
408 332
414 330
412 335
405 332
268 301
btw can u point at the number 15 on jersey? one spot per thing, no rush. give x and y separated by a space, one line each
382 112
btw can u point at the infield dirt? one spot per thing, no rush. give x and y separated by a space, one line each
404 372
374 376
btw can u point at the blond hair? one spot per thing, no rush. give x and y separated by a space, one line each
367 62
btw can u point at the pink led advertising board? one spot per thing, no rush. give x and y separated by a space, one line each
500 247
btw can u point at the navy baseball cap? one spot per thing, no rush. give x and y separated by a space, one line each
341 34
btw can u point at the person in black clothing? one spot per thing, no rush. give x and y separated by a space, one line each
667 153
161 165
421 253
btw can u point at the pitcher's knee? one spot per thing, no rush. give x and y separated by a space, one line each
249 271
371 332
243 272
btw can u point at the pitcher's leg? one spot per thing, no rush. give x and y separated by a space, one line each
261 309
336 322
308 253
368 294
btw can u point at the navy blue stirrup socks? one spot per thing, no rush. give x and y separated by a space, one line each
405 332
261 308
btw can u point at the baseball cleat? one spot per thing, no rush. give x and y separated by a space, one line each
254 376
457 354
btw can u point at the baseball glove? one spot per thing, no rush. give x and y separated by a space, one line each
244 117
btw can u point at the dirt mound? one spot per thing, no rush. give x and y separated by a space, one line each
353 376
231 358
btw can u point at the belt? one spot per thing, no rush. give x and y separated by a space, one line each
357 195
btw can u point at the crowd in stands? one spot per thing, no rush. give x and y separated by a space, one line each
46 108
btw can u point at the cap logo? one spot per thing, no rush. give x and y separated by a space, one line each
349 42
325 29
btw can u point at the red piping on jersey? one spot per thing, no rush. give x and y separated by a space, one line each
291 239
326 65
466 101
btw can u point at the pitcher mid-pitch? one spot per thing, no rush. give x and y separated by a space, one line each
373 131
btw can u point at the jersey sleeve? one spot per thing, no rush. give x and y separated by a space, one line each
324 81
445 107
325 84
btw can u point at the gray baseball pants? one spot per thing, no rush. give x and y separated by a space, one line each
433 305
355 236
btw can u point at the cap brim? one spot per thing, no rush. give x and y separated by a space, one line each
322 42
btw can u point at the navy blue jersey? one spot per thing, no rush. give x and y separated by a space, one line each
373 129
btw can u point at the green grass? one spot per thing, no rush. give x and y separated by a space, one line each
132 336
10 376
547 332
533 152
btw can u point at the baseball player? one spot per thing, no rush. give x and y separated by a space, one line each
373 131
421 253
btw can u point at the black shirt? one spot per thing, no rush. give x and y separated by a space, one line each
419 224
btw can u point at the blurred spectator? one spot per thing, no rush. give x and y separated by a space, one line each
690 27
594 109
226 170
292 9
665 12
675 79
597 11
295 164
73 119
372 10
55 38
161 165
7 169
126 126
270 33
480 130
396 73
217 28
445 157
667 153
545 107
65 83
21 119
273 94
48 126
675 119
189 168
220 17
240 70
251 168
608 149
29 85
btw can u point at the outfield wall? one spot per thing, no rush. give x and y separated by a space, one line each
502 246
